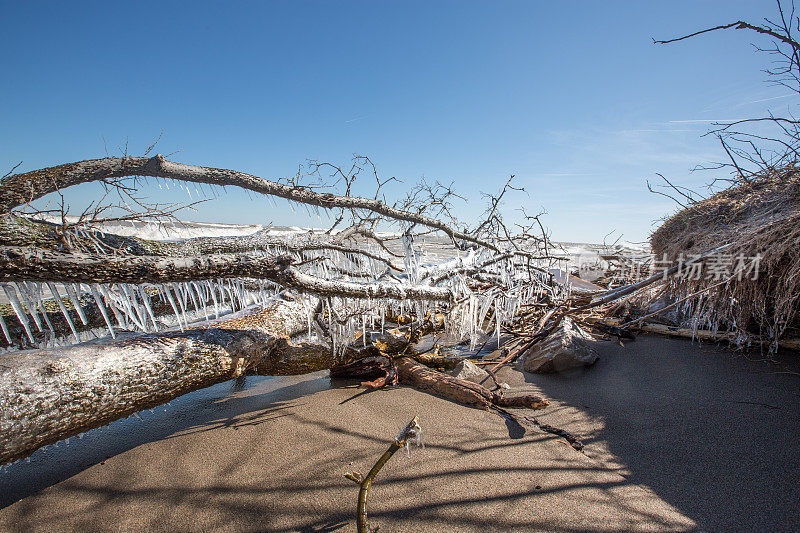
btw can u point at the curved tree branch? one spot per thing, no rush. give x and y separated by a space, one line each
739 25
20 189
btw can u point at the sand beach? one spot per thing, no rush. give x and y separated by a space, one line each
679 437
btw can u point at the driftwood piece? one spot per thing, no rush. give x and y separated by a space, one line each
25 231
461 391
377 369
50 395
707 335
410 434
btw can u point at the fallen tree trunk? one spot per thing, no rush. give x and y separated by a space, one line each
50 395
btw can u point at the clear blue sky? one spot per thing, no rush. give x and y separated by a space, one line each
572 97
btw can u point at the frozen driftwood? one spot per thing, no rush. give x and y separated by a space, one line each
49 395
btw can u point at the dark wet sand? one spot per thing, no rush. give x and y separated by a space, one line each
670 447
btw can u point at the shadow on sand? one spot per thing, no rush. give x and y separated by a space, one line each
713 433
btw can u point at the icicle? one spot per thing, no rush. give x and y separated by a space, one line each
64 311
113 299
234 294
37 296
131 305
487 302
76 303
220 288
11 293
135 310
226 287
201 297
180 302
190 292
26 298
146 302
171 300
47 319
242 294
102 307
5 329
213 298
116 300
237 293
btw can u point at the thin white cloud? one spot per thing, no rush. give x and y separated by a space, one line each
356 119
768 99
661 130
560 174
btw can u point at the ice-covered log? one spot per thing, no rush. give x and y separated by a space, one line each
49 395
25 231
26 264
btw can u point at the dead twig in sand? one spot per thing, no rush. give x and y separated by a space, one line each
411 433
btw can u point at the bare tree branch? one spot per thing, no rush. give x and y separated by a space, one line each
21 189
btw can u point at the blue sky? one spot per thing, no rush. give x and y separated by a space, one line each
571 97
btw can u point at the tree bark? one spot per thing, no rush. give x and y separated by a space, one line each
50 395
